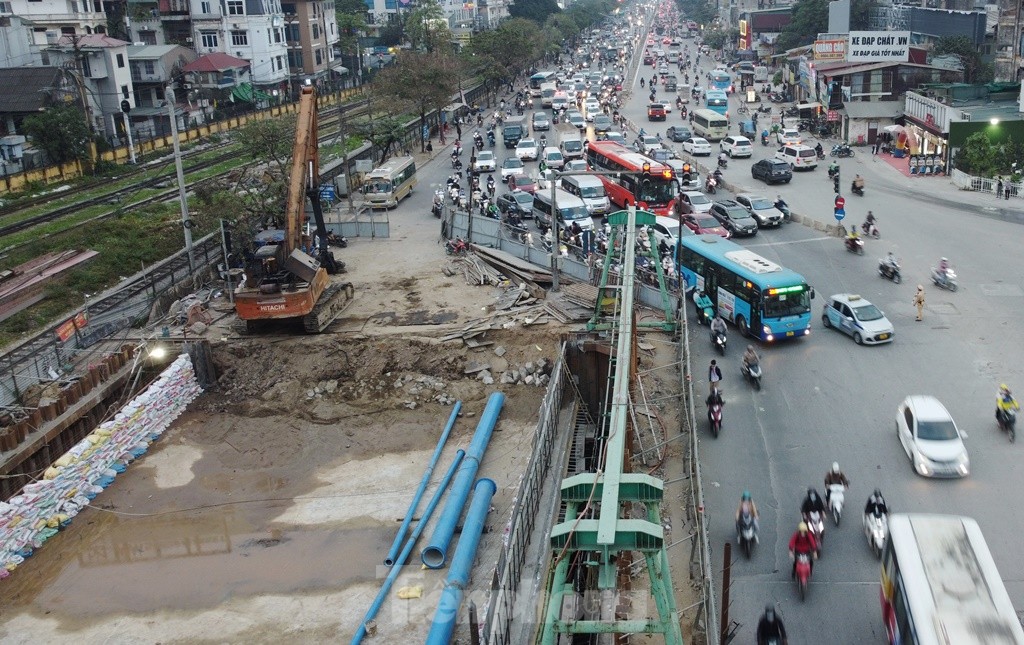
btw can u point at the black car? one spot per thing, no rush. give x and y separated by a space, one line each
772 171
734 218
603 123
678 133
517 201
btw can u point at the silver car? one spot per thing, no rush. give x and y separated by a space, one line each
761 209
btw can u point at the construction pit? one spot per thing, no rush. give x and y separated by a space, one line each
265 512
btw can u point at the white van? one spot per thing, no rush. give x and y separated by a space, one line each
552 157
571 146
560 101
591 190
570 209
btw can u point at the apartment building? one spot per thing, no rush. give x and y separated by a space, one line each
311 31
102 63
48 20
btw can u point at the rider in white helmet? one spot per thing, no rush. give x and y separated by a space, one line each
834 476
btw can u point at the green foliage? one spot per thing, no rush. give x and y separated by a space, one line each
390 35
385 132
350 7
810 18
535 10
975 71
508 50
350 25
981 157
716 38
269 140
426 27
61 132
563 24
700 11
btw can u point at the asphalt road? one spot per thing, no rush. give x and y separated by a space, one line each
826 399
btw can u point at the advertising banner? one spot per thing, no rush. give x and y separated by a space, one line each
832 49
879 46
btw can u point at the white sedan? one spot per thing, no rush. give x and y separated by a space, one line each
788 136
697 146
512 167
527 150
930 438
485 162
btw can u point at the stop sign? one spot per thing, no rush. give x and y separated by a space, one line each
840 203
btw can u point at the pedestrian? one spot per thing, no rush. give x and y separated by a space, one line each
458 129
919 302
999 187
714 374
878 145
642 81
1007 185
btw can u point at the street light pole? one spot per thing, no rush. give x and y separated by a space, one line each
186 223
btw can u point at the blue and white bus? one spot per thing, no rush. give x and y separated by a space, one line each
720 80
761 298
718 101
539 79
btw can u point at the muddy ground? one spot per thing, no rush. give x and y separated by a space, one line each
264 513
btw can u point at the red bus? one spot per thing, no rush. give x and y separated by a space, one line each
658 195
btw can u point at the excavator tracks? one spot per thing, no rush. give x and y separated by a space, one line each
332 302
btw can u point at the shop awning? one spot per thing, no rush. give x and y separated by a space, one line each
248 94
810 106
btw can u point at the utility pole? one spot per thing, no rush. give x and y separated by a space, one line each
186 223
342 130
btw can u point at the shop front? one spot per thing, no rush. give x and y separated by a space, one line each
926 127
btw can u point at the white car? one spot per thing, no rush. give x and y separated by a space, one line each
512 167
528 150
485 161
552 158
694 201
788 136
615 136
697 146
646 142
856 317
592 108
575 164
930 438
736 146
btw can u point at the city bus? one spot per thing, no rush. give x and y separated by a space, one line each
940 584
761 298
717 101
657 194
720 80
710 124
539 79
390 182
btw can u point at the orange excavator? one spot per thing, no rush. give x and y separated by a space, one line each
283 280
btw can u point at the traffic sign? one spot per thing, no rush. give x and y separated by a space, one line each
327 193
840 214
840 202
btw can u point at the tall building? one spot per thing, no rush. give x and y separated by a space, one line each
311 32
1008 41
101 65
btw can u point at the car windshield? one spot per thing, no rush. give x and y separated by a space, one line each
706 221
485 156
699 199
512 162
527 143
761 203
867 313
524 199
739 215
787 304
574 212
936 430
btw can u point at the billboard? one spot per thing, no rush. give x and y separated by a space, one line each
879 46
831 49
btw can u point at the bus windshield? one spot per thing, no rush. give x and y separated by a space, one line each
787 304
656 192
377 186
716 102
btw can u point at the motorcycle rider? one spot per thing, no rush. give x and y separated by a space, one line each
890 261
869 223
819 151
723 160
770 628
703 302
834 476
852 236
717 327
858 184
833 169
781 205
812 504
715 398
943 268
750 357
803 542
748 506
1004 403
876 502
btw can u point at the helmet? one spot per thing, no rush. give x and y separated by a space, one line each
944 260
835 467
878 493
746 494
769 613
750 348
802 527
1003 388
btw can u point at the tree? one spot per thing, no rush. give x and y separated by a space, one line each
970 58
350 7
564 24
977 156
423 80
427 28
270 141
61 132
535 10
386 133
810 18
700 11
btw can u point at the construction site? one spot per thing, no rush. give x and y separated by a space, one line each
462 450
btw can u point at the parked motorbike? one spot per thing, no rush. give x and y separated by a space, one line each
836 497
458 246
1007 421
876 528
764 109
719 342
339 241
793 111
855 245
870 229
841 150
715 418
944 280
748 534
889 271
803 573
752 373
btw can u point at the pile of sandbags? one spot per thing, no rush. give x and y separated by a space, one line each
45 506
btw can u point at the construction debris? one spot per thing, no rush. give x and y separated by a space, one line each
22 286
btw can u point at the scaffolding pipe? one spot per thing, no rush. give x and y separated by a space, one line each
434 555
443 627
371 613
427 474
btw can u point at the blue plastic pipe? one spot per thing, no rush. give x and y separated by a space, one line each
434 555
427 474
371 613
443 627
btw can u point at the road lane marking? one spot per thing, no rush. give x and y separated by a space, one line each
812 239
